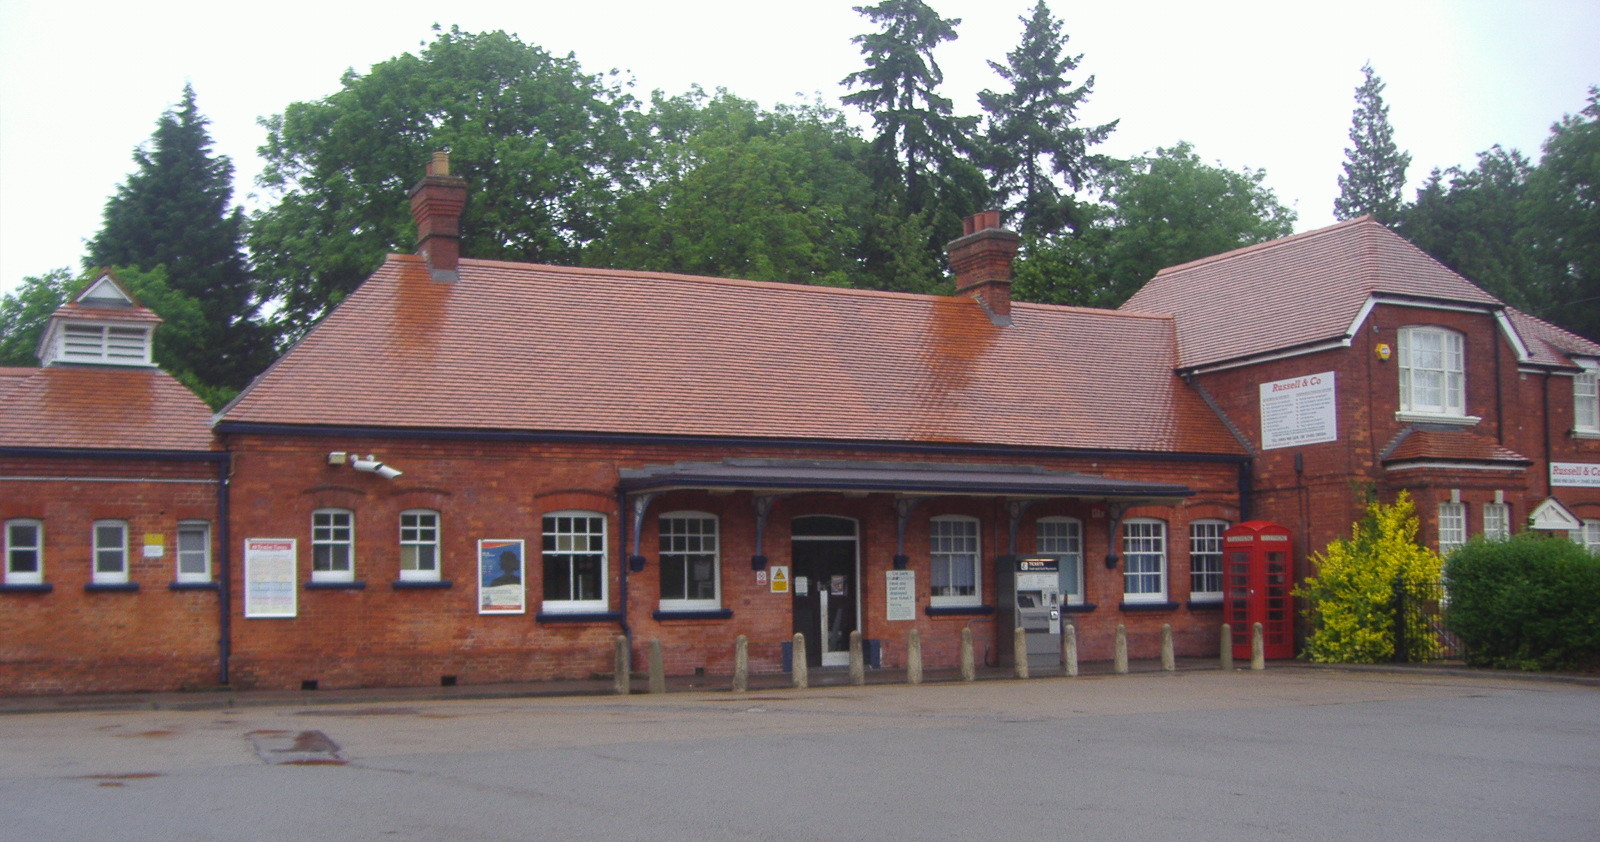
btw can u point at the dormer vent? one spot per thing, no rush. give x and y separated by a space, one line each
103 325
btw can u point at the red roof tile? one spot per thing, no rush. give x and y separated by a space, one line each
104 408
1298 290
1548 344
1455 445
542 348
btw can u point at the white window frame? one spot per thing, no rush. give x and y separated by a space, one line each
1588 536
115 552
202 553
1205 551
326 535
35 576
1452 526
419 543
1061 538
558 543
679 546
1144 560
1586 400
954 542
1433 381
1497 521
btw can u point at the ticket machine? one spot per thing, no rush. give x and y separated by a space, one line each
1029 598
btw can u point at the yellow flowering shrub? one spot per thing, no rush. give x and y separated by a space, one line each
1351 599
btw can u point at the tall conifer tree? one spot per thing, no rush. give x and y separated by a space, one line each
1033 136
1374 168
173 211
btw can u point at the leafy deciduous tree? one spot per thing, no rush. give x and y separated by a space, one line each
1374 168
1564 212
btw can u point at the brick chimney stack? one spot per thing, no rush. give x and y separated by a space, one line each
981 260
436 204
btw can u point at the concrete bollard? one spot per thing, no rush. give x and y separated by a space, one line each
1168 662
969 670
622 666
1258 658
1019 652
858 666
1069 650
1119 655
798 668
1226 655
658 672
914 657
741 664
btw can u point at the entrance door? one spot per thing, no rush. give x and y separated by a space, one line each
827 604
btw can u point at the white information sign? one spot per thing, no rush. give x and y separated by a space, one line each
269 585
1300 410
902 594
1575 474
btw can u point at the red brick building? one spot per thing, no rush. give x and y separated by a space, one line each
475 471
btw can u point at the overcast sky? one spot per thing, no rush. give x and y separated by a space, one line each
1267 85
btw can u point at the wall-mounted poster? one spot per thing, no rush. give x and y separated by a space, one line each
1299 410
902 594
501 589
269 577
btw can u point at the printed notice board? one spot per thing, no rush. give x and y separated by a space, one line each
269 577
1299 410
901 592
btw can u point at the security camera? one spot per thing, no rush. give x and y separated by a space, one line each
387 472
368 464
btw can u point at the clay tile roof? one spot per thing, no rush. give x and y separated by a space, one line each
542 348
1299 290
73 311
1453 445
10 378
102 408
1548 344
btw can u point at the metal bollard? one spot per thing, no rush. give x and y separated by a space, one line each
1258 658
858 666
1069 650
969 671
622 666
1119 656
798 668
914 657
741 664
1168 663
1019 652
1226 655
658 672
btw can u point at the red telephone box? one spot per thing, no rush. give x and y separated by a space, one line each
1256 567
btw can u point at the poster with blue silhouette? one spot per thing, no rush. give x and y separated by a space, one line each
501 584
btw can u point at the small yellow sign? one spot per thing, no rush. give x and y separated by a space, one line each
780 580
155 545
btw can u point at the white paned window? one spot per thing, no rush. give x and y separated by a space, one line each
24 552
689 564
419 546
105 344
1432 372
1452 526
1205 560
1144 560
110 552
1062 538
333 545
1586 402
194 551
1589 536
953 558
1496 521
574 557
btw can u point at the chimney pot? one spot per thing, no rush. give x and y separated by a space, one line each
981 260
436 204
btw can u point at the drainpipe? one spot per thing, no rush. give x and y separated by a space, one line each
622 551
225 594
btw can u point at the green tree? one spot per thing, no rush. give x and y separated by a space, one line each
1532 602
174 212
922 155
1171 208
1037 155
740 192
1351 597
1564 214
545 147
1374 168
26 310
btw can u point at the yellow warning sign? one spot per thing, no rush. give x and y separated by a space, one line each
780 580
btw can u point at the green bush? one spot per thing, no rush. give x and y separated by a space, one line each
1531 603
1351 599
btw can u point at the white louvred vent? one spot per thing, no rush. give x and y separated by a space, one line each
105 344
